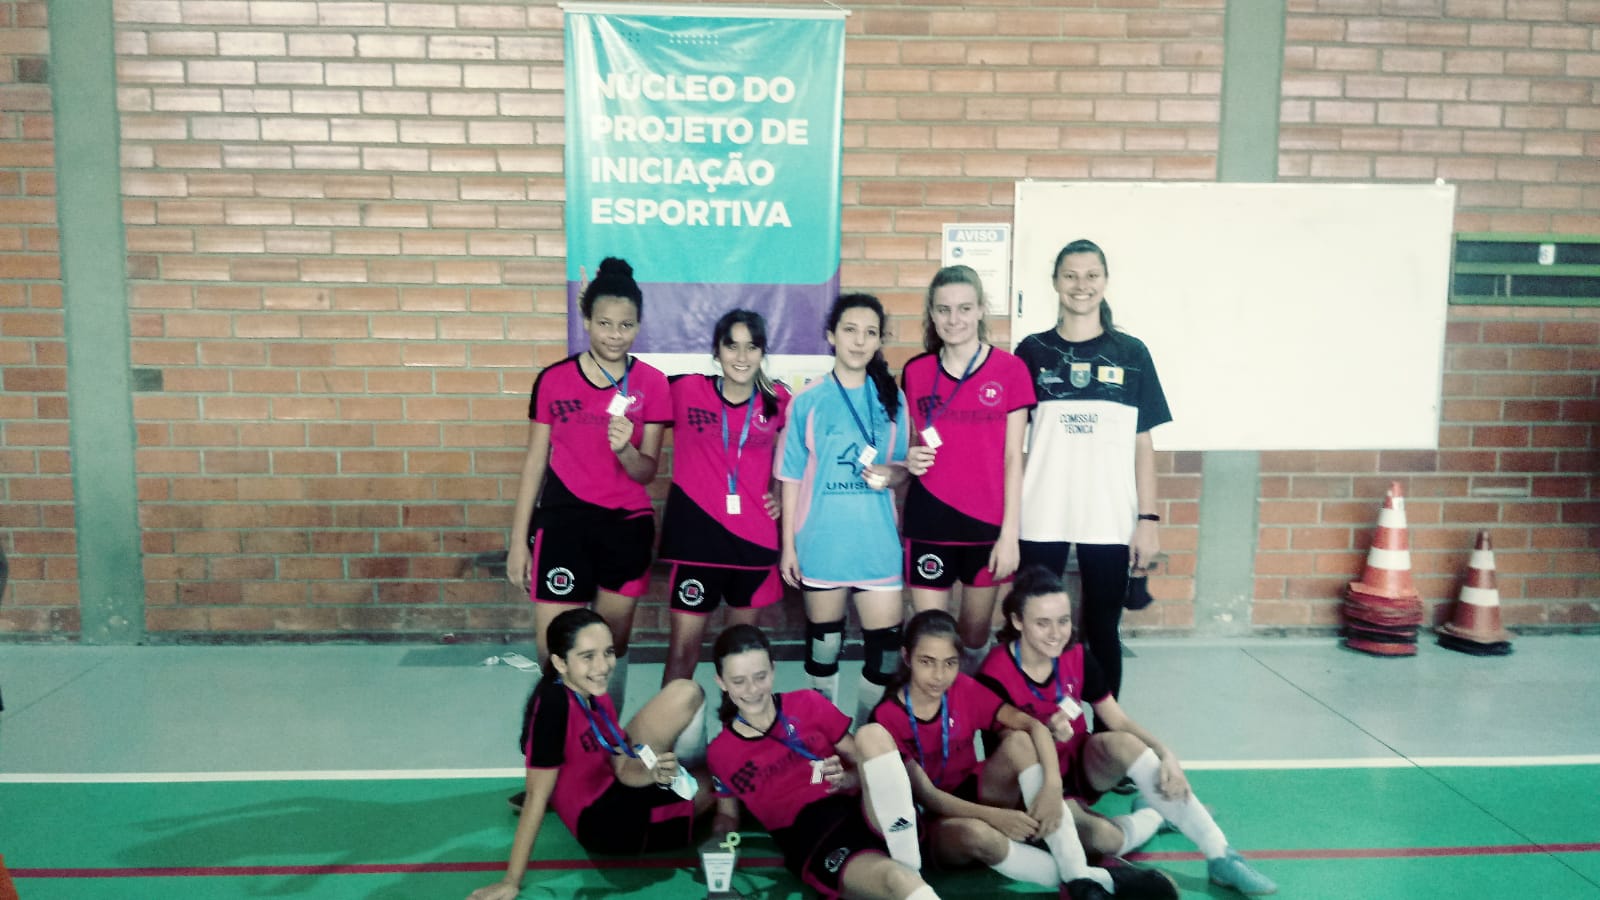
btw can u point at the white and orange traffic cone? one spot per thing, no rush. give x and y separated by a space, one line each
1382 610
1474 625
1388 572
8 890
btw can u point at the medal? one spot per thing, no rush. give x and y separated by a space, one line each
620 402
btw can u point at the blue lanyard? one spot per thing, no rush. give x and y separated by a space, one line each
1055 674
867 434
783 732
744 434
627 369
621 745
935 408
944 730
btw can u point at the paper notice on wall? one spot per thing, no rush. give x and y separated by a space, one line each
987 249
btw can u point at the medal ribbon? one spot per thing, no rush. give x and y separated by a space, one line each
937 407
783 732
621 745
867 434
744 434
944 730
1055 674
627 369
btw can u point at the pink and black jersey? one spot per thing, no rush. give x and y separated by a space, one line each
706 434
961 500
1075 674
583 470
563 735
767 775
947 751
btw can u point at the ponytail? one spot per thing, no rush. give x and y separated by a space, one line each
768 392
888 393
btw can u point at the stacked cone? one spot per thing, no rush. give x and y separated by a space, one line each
1382 611
8 889
1474 625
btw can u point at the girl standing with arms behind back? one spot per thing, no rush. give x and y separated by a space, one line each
1091 470
593 446
969 408
719 533
846 444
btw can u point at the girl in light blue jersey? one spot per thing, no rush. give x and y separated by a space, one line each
844 447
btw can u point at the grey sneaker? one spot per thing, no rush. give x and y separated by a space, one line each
1230 870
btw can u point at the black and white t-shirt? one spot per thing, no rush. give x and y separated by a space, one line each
1095 396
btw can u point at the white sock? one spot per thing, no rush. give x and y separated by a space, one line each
1071 862
867 697
690 747
1138 827
1029 864
888 789
922 893
617 687
827 685
1187 815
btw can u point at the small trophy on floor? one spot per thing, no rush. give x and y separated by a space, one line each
717 859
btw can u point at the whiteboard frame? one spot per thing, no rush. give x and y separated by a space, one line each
1279 316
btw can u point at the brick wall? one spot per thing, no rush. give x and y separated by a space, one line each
1502 98
345 252
36 516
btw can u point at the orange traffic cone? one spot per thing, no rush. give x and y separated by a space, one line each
1474 625
1382 610
8 890
1388 571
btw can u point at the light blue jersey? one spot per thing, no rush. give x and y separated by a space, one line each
845 532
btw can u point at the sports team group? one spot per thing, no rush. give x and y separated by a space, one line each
1007 462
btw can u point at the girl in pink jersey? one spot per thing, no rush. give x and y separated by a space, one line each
969 404
719 533
1040 668
935 713
838 806
597 419
619 791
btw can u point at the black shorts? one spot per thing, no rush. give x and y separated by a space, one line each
580 550
826 836
938 567
1075 776
699 588
625 821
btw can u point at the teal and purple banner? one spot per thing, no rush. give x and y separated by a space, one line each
704 148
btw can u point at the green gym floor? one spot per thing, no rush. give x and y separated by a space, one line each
382 772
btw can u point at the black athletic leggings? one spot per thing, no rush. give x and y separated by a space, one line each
1104 568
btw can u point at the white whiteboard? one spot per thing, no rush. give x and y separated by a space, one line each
1280 316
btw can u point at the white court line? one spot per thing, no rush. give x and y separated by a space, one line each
307 775
1382 762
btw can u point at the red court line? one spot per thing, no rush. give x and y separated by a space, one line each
759 862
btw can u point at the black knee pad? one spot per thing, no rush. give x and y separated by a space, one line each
824 640
881 655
